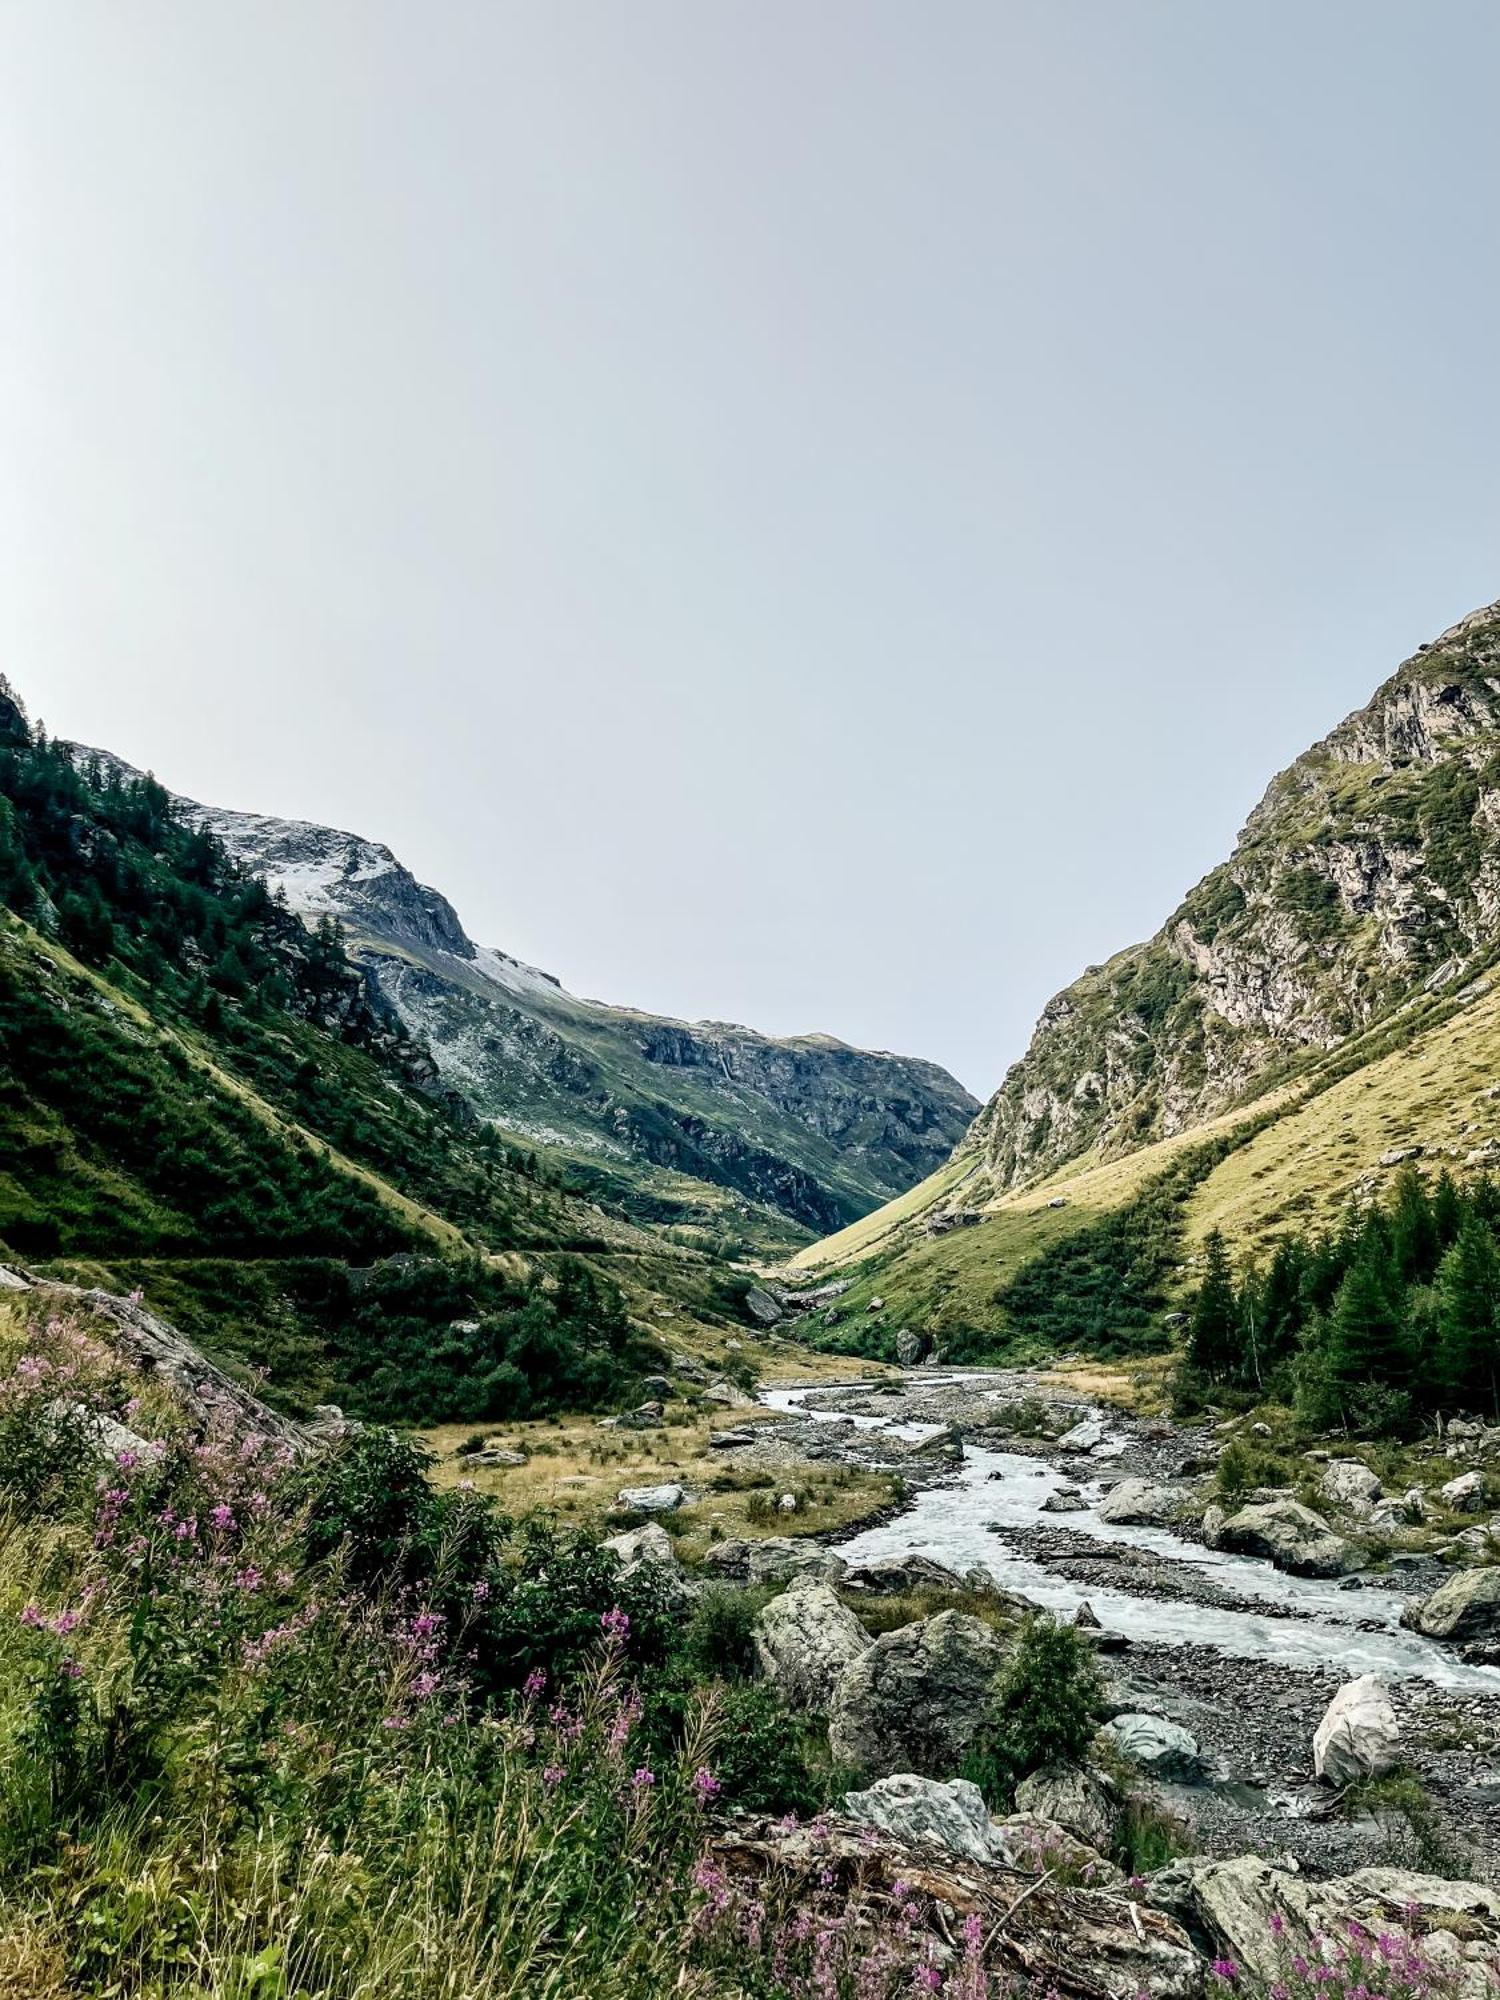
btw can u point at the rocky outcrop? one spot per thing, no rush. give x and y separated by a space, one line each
916 1699
1370 869
1291 1536
1359 1736
1348 1483
1073 1798
804 1640
772 1560
922 1812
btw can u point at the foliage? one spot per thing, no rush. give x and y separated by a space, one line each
1046 1706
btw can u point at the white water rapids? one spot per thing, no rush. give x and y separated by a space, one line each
949 1523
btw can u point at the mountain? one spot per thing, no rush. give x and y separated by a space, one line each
1317 1010
671 1121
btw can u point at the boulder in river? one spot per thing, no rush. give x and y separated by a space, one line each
1163 1749
1349 1483
916 1699
1142 1503
1292 1537
1214 1518
1065 1500
804 1640
1465 1609
1071 1797
1083 1436
1359 1736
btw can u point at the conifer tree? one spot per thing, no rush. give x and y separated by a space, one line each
1469 1316
1213 1325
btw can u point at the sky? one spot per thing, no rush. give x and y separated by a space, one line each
818 513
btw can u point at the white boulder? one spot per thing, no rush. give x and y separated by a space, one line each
1359 1736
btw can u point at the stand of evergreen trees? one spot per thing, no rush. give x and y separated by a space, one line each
1391 1317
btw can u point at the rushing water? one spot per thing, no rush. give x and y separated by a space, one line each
950 1524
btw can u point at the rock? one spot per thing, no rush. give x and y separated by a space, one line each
1348 1483
876 1306
651 1499
1465 1609
103 1433
1212 1530
1359 1736
1235 1902
727 1396
1141 1503
916 1699
787 1504
1033 1845
647 1417
1464 1495
945 1444
1083 1436
1073 1798
495 1454
804 1640
637 1545
922 1812
12 1281
1291 1536
729 1440
761 1307
1396 1156
910 1347
1066 1500
659 1387
902 1576
1163 1749
773 1561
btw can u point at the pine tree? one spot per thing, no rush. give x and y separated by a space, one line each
1469 1316
1414 1235
1213 1344
1367 1346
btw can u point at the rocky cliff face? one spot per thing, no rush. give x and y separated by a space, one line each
808 1127
1369 873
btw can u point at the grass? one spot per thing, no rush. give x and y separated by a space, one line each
574 1469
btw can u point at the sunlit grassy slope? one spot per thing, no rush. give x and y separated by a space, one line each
1428 1079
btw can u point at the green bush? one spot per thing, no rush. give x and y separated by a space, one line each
1046 1706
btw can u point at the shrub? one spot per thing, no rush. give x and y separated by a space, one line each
1045 1708
719 1644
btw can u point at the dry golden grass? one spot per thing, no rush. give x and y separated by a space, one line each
1142 1387
575 1469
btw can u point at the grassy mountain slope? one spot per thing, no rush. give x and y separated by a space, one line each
200 1096
1263 1058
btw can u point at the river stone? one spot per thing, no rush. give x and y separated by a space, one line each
652 1499
922 1811
1065 1500
1359 1736
1142 1503
901 1576
916 1699
1163 1749
1084 1436
1073 1798
946 1444
1212 1530
1348 1483
1464 1609
1292 1537
1465 1495
804 1640
773 1560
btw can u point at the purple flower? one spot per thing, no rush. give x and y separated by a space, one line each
1226 1969
615 1625
553 1776
643 1780
71 1671
705 1784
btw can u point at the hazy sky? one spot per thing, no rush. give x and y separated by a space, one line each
822 513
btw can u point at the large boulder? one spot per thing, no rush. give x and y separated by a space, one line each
1260 1914
1465 1609
1348 1483
901 1576
1071 1797
650 1549
652 1499
916 1699
804 1640
910 1347
772 1560
1142 1503
922 1812
1084 1436
1464 1495
1291 1536
1359 1736
1162 1749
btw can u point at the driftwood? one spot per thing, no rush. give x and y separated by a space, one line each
1086 1944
